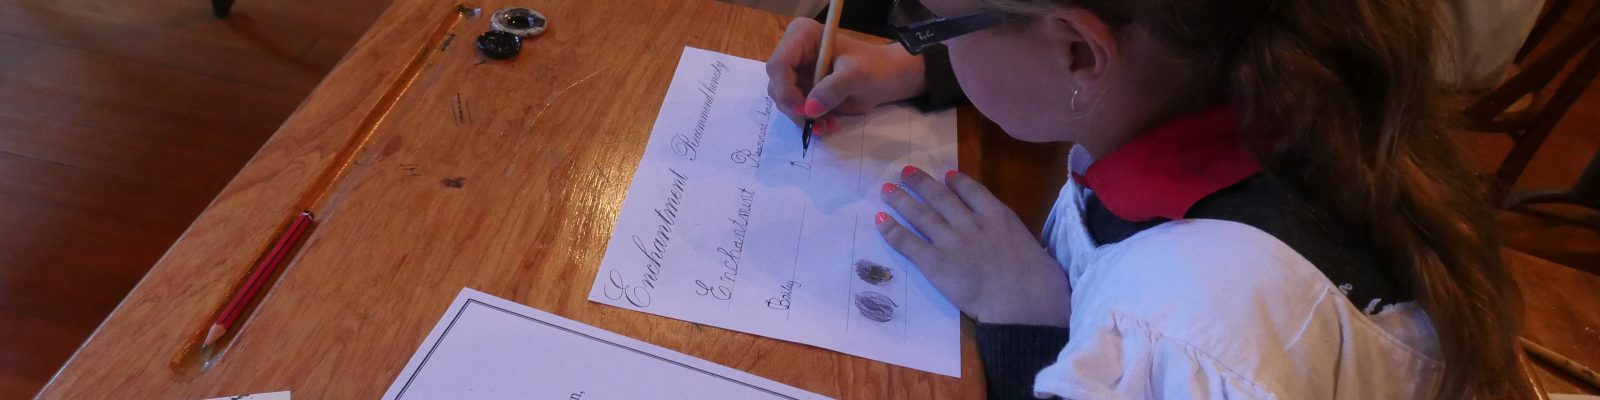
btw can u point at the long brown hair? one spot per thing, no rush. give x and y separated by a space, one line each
1339 99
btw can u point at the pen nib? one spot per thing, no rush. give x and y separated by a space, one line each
805 138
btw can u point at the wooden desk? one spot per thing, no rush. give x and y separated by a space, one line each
1562 313
543 148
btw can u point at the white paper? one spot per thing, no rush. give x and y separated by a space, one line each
284 395
728 224
489 348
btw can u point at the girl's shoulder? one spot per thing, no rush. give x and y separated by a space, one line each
1212 265
1227 302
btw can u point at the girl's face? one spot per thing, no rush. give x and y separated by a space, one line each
1018 75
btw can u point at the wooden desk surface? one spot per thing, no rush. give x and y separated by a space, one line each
543 148
1562 313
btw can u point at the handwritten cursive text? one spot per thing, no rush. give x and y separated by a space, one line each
753 157
655 250
688 146
785 295
733 253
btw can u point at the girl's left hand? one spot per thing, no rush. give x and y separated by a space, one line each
978 252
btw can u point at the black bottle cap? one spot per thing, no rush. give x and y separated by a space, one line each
499 45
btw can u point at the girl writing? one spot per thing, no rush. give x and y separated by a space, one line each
1262 201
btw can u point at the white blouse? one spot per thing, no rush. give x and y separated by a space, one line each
1215 309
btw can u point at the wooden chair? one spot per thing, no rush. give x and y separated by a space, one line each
1551 16
1553 94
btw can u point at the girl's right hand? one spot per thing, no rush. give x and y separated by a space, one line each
863 76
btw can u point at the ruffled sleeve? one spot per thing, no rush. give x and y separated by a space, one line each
1175 312
1120 357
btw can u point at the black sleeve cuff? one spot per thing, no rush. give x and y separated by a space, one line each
943 90
1013 354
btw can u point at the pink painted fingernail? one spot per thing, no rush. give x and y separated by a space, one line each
800 110
888 188
950 174
907 171
814 108
882 217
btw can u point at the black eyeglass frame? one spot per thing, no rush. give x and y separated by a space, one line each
918 36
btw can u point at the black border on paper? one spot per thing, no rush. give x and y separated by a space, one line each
470 302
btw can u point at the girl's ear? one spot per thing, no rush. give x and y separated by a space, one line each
1086 42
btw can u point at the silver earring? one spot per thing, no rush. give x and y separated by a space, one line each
1075 99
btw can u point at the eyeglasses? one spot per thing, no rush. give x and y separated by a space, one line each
918 27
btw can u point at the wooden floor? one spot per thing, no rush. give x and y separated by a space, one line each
120 120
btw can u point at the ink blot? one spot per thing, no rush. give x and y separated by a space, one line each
875 306
871 272
456 182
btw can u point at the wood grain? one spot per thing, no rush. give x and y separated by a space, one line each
119 122
1561 315
92 118
545 147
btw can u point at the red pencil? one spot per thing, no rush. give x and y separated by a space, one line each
258 278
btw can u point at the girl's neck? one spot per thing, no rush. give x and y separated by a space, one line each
1107 134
